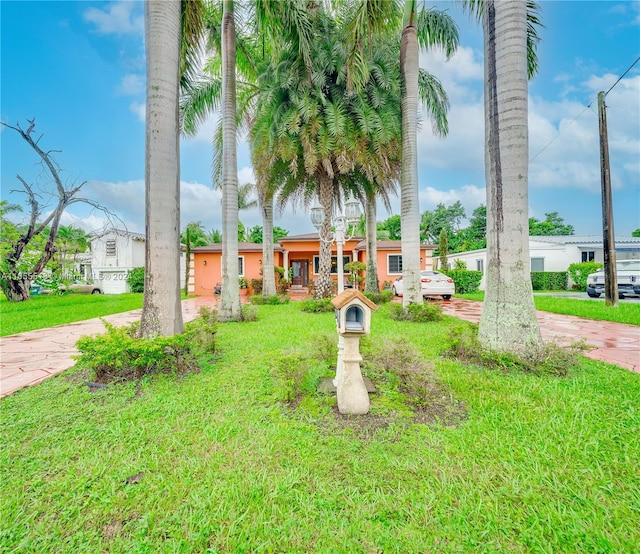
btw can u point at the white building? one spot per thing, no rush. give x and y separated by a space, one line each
113 254
557 253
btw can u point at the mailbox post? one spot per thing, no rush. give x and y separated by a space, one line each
353 319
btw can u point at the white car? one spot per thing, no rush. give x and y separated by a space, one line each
434 283
628 273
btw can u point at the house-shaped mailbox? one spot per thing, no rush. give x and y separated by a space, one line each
353 312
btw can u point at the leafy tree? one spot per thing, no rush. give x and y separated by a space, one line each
445 218
70 241
635 233
443 249
553 224
255 234
392 226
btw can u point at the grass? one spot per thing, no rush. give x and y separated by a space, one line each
49 310
591 309
213 462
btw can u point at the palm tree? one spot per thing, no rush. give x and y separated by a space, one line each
162 313
508 321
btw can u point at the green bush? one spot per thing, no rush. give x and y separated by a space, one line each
381 297
289 372
551 359
465 280
272 300
549 280
282 286
312 305
580 272
249 313
121 354
256 285
135 279
418 313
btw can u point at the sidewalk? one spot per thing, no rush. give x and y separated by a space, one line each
29 358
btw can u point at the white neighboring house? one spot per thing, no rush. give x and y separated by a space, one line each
557 253
114 253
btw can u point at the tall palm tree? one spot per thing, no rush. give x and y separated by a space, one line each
508 321
162 313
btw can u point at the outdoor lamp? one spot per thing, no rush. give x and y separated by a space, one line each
317 216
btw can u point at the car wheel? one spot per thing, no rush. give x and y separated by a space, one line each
395 292
594 294
446 297
95 291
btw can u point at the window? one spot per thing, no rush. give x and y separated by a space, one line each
480 265
537 264
588 256
334 263
111 247
241 266
394 263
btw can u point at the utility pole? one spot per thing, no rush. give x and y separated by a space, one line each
608 238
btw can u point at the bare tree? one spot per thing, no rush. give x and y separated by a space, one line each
17 276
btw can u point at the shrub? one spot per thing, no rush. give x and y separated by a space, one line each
418 313
282 286
381 297
121 354
580 272
312 305
289 372
466 281
551 359
249 313
135 279
549 280
256 285
242 282
272 300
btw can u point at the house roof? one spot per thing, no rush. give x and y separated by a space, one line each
242 247
583 240
348 295
119 232
391 245
307 237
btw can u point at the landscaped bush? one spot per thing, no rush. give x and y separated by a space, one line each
272 300
551 359
381 297
256 285
466 281
580 272
135 279
418 313
289 371
312 305
549 280
249 313
121 354
282 286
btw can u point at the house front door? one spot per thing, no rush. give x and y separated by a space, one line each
300 272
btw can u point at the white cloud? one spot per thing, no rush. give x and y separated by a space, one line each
470 196
139 109
131 84
118 18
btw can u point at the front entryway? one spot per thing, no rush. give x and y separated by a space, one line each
300 272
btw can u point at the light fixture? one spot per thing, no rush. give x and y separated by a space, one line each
317 216
260 261
204 262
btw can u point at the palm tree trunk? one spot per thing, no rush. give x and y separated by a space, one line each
371 282
325 197
409 204
230 309
268 271
508 321
161 312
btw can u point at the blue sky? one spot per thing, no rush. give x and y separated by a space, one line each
78 67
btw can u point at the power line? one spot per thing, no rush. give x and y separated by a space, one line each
588 106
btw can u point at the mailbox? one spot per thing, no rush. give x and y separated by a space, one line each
353 312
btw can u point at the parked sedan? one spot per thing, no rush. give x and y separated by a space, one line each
81 288
628 273
434 283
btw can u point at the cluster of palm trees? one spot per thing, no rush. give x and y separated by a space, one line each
327 93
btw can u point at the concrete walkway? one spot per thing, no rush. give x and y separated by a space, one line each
29 358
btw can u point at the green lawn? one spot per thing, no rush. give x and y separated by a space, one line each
50 310
625 312
213 462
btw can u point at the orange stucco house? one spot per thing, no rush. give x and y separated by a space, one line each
299 255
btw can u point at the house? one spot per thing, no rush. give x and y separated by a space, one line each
557 253
299 256
113 254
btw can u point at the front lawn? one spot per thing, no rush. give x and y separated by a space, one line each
625 312
49 310
214 462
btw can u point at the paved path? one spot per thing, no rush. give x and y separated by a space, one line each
29 358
